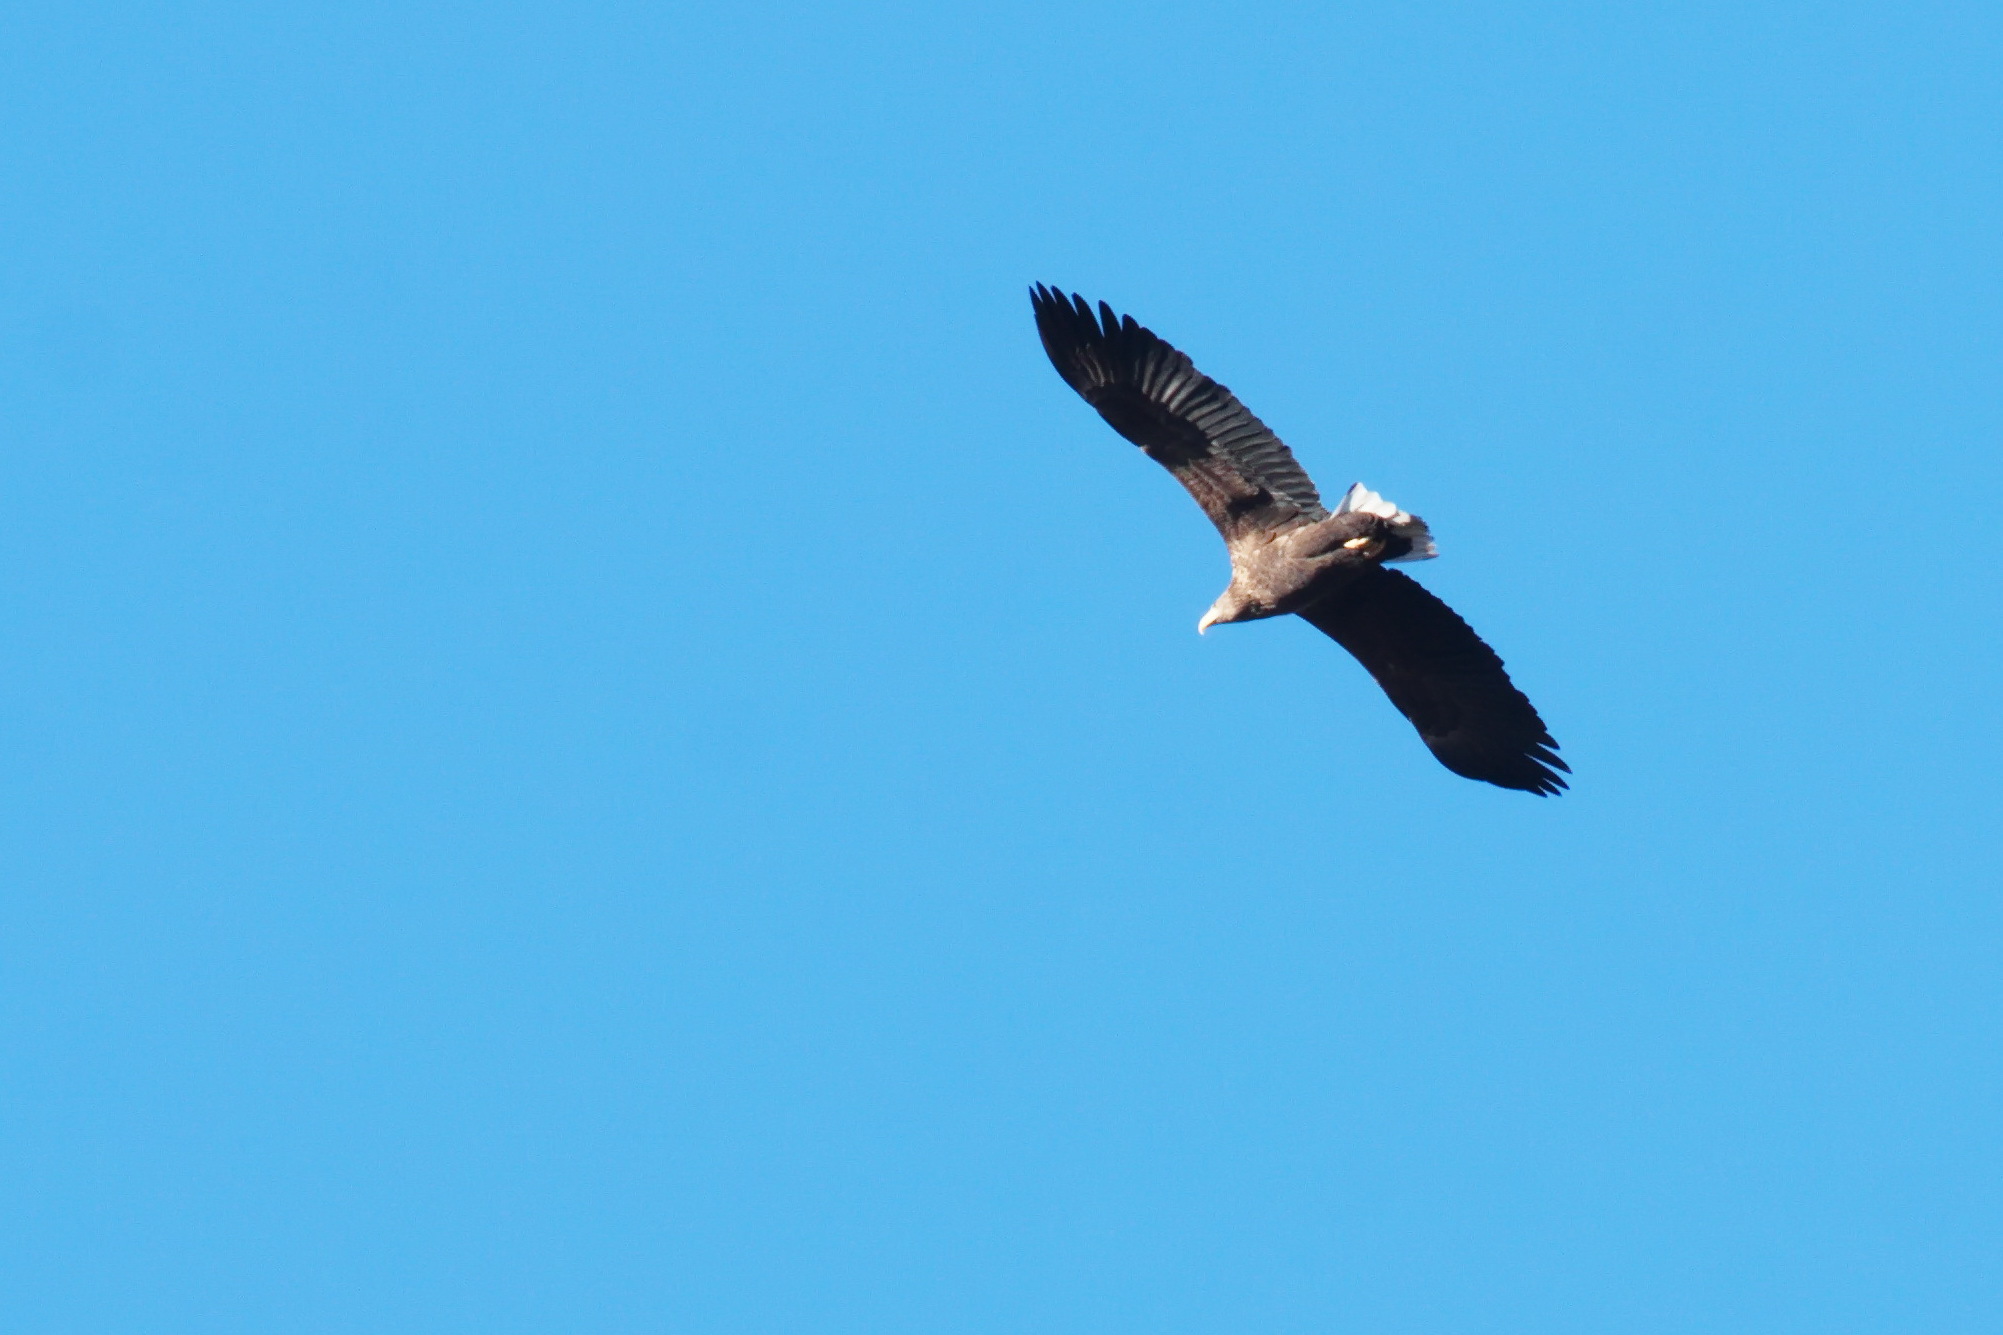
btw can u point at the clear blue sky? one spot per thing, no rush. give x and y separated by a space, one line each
592 741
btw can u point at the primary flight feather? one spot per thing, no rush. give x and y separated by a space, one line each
1291 554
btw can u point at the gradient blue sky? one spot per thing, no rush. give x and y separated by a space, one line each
592 742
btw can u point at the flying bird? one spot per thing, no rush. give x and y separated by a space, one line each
1291 554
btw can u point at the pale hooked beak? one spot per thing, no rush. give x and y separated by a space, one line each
1210 619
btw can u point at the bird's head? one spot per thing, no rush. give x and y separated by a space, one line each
1233 605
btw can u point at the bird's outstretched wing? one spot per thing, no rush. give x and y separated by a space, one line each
1234 466
1443 678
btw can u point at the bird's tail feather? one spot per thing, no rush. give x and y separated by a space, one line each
1360 499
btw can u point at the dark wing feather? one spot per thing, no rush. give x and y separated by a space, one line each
1234 466
1443 678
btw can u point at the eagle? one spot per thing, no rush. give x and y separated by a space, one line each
1290 554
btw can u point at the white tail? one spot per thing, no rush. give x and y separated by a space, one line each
1360 499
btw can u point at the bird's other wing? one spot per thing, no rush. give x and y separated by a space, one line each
1444 679
1234 466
